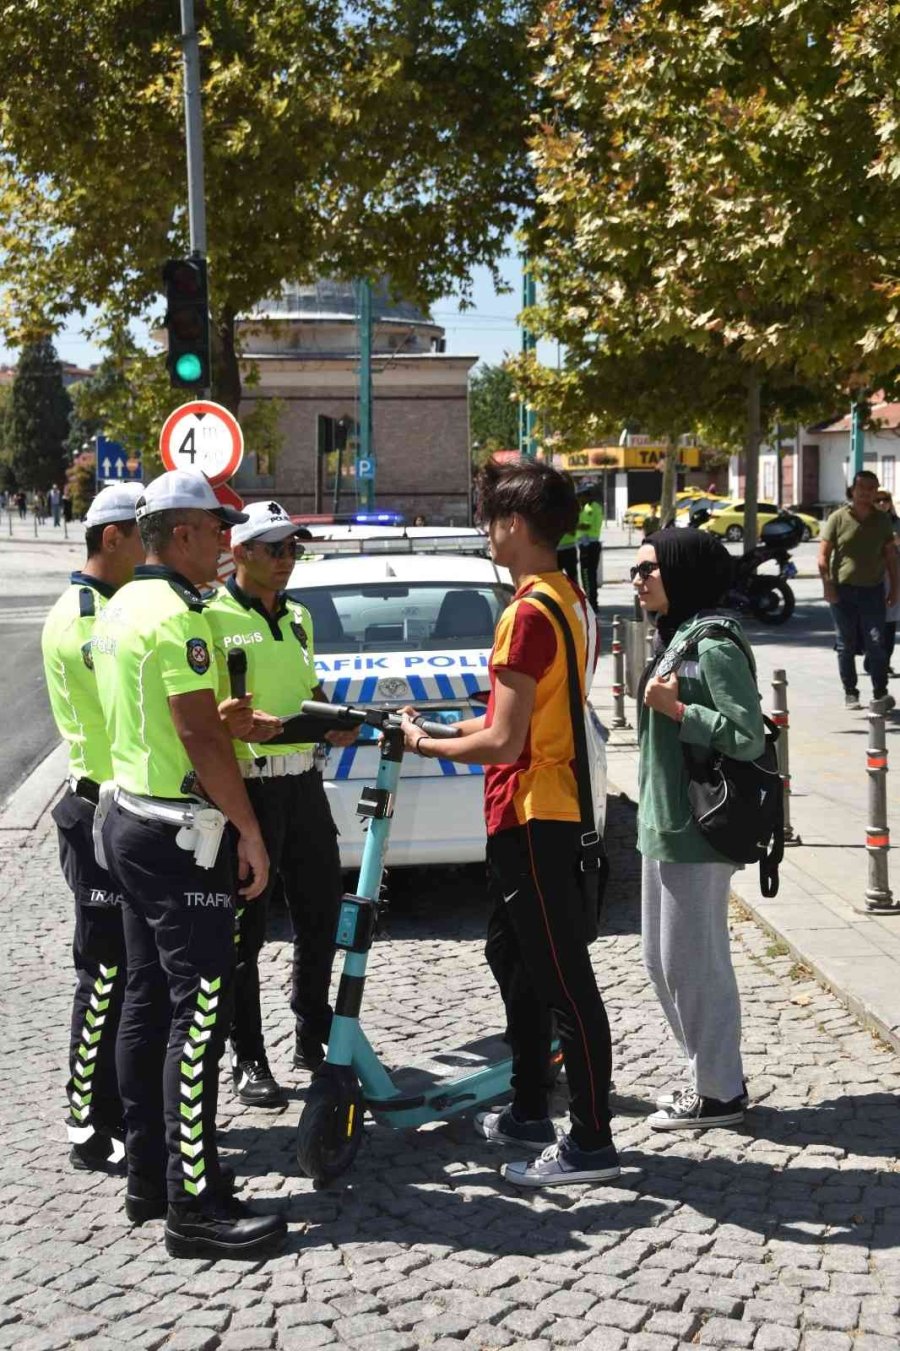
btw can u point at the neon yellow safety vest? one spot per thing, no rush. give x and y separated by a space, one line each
69 671
281 667
590 521
567 541
152 641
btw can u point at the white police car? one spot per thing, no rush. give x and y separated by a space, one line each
395 628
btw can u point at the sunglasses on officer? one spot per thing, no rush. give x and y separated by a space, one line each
643 570
282 548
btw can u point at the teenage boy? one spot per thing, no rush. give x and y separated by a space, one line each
536 943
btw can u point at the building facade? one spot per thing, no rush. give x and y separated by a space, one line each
304 347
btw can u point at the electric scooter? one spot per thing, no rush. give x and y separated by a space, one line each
352 1079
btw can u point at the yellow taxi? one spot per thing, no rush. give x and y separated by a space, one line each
727 520
635 514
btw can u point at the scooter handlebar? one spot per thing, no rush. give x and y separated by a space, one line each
438 730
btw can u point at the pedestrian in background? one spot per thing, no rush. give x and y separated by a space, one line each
590 527
709 702
22 504
858 564
55 504
885 502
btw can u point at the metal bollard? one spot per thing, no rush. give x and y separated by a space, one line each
618 686
35 525
878 835
780 719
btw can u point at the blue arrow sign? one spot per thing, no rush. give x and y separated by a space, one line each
112 463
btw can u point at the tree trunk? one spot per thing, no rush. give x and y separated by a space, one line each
752 442
669 483
226 387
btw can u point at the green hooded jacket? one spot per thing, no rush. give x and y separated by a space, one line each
722 712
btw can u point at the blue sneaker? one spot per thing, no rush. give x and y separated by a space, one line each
563 1164
501 1127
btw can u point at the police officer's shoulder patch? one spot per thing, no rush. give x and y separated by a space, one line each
198 655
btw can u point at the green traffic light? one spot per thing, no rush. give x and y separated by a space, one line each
188 367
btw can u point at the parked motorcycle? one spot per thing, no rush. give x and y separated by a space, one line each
767 595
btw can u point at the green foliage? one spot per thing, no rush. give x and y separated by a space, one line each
81 477
6 475
493 411
718 190
383 138
38 419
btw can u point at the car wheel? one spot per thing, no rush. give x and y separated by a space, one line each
734 534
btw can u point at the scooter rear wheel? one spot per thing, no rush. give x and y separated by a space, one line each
772 602
330 1128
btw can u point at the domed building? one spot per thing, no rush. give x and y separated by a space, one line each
305 344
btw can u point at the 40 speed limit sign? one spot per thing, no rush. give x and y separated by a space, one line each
202 435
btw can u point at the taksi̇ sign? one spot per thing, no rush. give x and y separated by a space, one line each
205 436
647 456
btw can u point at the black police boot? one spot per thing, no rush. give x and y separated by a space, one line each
255 1085
308 1050
142 1204
100 1153
222 1227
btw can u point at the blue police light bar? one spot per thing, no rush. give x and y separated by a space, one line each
378 518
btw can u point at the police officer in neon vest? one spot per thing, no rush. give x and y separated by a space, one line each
590 527
176 786
95 1126
252 613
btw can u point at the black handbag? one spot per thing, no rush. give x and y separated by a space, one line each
593 862
738 805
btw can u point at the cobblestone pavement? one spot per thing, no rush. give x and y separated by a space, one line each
782 1235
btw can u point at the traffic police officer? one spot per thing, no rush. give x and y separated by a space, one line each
171 760
252 614
590 527
95 1127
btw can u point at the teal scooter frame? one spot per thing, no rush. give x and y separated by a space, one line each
353 1079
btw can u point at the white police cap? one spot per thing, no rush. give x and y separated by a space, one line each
266 521
115 503
183 488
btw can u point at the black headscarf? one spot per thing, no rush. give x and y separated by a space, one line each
696 571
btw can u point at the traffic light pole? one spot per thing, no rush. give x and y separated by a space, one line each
857 437
365 450
527 445
193 126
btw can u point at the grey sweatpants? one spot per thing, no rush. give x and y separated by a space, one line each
688 958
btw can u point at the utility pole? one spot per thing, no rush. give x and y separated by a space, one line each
193 132
365 451
858 411
527 444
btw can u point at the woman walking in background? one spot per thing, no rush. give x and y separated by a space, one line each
708 701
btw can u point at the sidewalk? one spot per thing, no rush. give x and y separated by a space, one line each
820 911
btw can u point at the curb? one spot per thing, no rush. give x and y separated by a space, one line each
29 802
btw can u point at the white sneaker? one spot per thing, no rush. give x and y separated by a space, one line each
563 1165
670 1099
690 1112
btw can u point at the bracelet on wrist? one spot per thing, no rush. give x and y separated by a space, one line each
423 737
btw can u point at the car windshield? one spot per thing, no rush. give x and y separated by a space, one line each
398 616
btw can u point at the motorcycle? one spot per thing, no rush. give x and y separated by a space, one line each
767 595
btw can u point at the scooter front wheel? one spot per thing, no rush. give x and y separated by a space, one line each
330 1128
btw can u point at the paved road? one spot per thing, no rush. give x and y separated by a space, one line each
781 1236
32 574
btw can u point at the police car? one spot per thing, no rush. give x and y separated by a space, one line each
412 627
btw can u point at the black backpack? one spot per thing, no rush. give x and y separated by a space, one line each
737 805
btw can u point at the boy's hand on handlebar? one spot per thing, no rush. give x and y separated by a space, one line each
411 733
342 738
408 712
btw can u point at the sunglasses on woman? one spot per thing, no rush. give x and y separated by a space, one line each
643 570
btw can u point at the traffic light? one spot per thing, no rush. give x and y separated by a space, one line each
187 323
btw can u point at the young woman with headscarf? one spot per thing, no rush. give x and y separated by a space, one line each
710 703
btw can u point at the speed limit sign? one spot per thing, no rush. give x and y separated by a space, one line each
202 435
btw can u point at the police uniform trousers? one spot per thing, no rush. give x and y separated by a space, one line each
98 953
301 839
589 558
179 929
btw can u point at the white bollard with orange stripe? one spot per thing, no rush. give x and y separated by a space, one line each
781 721
878 835
618 680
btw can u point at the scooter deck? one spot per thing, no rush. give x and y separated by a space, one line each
448 1081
